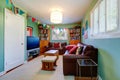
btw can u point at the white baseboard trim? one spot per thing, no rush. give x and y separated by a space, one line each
99 77
2 73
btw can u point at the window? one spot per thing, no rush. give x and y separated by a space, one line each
112 14
95 29
59 34
104 18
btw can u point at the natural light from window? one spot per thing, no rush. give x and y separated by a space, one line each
105 19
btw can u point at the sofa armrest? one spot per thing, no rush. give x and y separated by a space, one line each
69 63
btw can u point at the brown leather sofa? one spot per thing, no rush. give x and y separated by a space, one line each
70 60
60 46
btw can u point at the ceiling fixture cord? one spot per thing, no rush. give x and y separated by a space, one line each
56 16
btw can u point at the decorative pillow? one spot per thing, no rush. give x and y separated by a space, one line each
73 50
69 47
84 47
79 44
79 50
56 45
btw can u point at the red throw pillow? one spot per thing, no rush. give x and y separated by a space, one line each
56 45
73 50
69 47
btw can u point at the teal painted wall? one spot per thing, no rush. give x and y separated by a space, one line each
34 25
2 5
109 49
109 52
62 26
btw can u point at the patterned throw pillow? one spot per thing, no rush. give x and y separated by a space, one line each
79 50
56 45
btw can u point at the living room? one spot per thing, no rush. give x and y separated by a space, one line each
106 42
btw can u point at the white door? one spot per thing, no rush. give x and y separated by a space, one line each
14 40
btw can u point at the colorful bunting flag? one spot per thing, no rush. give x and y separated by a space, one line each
7 2
33 19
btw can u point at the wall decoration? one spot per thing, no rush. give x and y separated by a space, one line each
83 31
7 2
59 34
29 31
33 19
20 12
86 25
13 8
85 34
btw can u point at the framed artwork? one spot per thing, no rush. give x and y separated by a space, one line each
86 30
29 31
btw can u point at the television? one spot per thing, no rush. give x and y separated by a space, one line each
32 42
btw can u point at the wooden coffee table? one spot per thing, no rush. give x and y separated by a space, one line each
52 53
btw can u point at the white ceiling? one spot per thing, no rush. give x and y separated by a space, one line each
73 10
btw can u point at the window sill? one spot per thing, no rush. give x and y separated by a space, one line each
115 34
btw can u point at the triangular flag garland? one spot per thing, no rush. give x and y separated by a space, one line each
33 19
14 9
7 2
20 12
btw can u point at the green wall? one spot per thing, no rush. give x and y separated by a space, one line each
2 5
62 26
109 49
34 25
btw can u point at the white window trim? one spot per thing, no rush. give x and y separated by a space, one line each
109 34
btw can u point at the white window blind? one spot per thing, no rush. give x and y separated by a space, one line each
105 19
112 14
102 16
96 21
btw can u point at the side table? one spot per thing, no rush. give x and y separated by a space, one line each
86 69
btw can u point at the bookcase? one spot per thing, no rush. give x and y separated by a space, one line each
44 35
75 35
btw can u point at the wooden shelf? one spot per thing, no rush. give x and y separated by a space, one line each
75 34
44 35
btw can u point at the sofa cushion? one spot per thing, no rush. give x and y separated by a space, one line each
88 48
56 45
63 44
50 44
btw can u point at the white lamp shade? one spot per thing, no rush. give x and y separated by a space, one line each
56 17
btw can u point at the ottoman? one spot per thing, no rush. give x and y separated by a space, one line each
48 63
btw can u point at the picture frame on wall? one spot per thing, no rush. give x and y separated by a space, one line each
29 31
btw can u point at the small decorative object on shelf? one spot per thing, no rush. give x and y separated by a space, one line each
43 33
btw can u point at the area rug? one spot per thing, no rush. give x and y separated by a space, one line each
32 71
